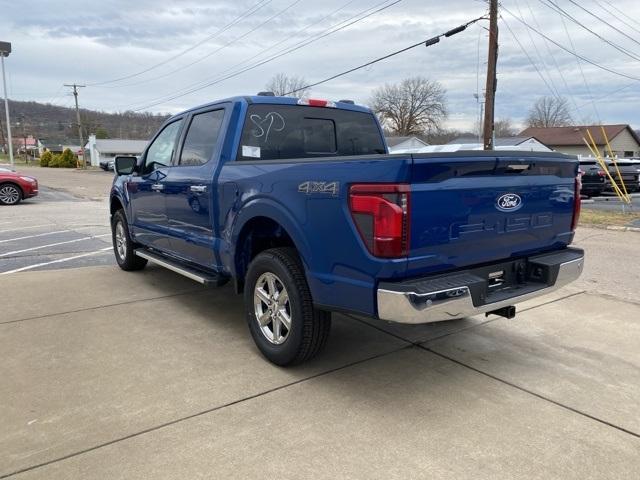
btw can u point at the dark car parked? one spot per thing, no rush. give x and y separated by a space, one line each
630 172
594 178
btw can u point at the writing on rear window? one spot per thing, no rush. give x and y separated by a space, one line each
280 132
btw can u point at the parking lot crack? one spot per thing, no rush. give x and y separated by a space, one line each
203 412
96 307
531 392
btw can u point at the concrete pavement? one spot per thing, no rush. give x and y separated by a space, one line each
107 374
147 375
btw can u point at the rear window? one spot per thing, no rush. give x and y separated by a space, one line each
280 132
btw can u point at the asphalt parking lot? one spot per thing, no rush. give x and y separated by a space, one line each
107 374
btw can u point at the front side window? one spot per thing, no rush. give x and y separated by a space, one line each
160 151
201 139
280 132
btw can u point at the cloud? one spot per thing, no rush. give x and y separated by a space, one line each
71 41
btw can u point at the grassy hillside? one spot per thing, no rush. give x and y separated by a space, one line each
58 124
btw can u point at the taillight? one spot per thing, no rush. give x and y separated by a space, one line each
381 214
576 203
601 173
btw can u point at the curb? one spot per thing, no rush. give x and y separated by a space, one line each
614 198
615 228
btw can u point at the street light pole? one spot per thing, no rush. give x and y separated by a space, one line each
5 50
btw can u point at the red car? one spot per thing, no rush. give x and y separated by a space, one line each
15 187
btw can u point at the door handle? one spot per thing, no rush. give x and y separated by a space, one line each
198 188
157 187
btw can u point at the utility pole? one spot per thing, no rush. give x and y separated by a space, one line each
5 50
75 94
490 92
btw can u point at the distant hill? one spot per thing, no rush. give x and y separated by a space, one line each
58 124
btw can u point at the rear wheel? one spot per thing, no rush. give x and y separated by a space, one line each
282 320
123 246
10 194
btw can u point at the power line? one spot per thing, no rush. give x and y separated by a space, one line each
621 12
554 6
288 37
429 42
553 92
247 13
553 58
635 29
331 30
604 21
244 35
582 57
584 77
613 92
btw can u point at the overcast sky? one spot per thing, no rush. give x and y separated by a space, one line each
57 41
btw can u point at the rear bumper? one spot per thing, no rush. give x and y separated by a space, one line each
470 292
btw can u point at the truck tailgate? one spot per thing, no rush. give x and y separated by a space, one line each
469 208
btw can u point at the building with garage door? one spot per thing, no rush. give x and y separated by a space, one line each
105 150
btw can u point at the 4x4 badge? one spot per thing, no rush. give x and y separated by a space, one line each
331 188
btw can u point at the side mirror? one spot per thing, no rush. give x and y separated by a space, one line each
125 165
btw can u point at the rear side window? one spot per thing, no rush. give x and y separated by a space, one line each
280 132
201 138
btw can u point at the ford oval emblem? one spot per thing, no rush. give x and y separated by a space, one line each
509 202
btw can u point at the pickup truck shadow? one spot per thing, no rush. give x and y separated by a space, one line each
220 313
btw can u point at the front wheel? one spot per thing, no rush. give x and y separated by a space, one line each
10 194
123 246
283 323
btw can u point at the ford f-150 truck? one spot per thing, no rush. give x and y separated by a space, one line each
300 205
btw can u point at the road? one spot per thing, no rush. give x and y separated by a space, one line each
65 226
147 375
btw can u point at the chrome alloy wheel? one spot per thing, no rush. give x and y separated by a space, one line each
121 241
272 308
9 194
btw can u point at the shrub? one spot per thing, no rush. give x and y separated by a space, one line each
46 158
55 161
67 159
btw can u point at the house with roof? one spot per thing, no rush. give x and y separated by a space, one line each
25 144
57 147
624 141
524 143
405 144
105 150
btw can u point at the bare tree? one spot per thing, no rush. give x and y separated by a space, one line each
415 106
549 112
504 127
282 84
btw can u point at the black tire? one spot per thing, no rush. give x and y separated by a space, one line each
10 194
309 327
123 245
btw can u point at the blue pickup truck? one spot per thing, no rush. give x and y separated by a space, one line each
300 205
